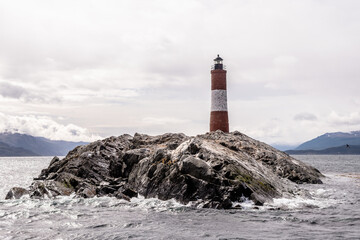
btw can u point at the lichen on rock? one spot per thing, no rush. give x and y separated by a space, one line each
210 170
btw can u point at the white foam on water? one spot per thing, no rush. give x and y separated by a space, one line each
299 203
315 198
319 196
245 205
71 207
65 205
156 204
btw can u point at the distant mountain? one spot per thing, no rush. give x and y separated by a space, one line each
329 140
283 147
350 149
6 151
38 145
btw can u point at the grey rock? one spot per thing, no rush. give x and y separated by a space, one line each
212 170
16 193
87 192
197 168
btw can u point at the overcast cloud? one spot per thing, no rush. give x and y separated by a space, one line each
44 126
125 66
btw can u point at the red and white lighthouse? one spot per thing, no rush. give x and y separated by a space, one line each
219 119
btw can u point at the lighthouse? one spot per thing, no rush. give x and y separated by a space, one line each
219 119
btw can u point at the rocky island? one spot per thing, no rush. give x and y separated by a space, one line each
213 170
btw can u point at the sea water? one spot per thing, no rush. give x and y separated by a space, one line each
330 211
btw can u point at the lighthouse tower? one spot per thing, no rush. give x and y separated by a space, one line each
219 114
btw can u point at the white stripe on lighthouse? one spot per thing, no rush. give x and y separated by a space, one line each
218 100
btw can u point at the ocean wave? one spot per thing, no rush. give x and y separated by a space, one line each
329 194
311 196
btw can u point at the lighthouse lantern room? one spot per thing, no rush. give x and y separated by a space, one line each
218 62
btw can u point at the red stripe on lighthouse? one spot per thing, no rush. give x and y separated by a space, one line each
219 121
218 79
219 115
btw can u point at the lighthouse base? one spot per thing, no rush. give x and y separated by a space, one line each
219 120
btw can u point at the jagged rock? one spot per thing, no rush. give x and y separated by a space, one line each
87 192
212 170
16 193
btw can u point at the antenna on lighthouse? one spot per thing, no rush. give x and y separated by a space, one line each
219 119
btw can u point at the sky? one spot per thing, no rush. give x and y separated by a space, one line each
89 69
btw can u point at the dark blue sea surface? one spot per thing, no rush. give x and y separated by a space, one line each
330 211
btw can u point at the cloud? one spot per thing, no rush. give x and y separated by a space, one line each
352 118
285 61
12 91
136 65
305 117
164 120
44 126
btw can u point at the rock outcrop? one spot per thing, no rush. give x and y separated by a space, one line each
212 170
